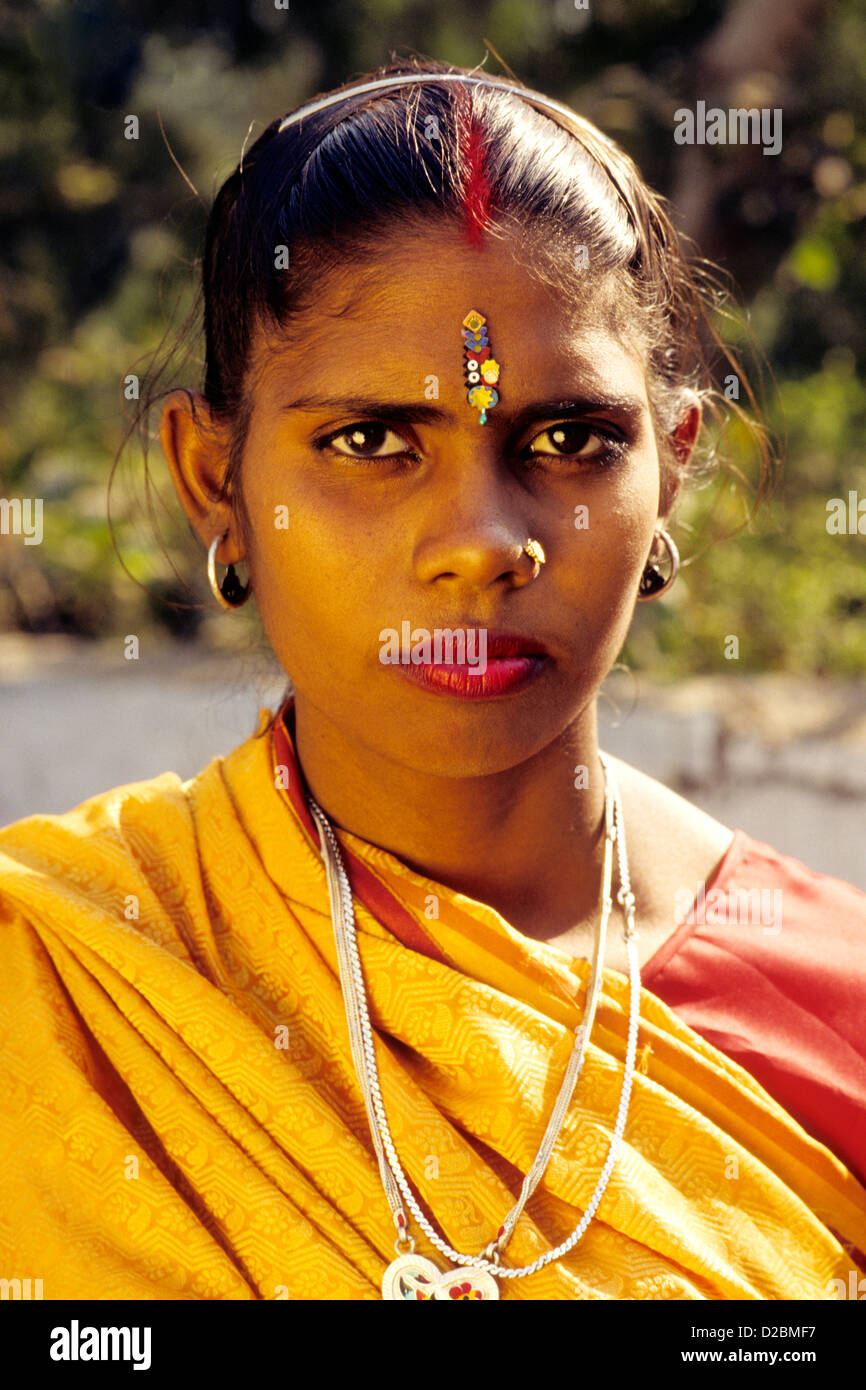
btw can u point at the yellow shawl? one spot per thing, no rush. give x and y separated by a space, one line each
181 1118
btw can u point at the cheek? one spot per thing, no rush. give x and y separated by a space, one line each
318 575
612 538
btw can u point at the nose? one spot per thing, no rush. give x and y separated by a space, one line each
476 537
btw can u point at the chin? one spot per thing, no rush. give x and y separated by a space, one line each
463 738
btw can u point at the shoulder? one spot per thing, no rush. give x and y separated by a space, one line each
137 851
117 820
676 841
809 890
769 965
764 958
671 844
113 859
664 809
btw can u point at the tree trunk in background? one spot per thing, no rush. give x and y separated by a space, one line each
749 60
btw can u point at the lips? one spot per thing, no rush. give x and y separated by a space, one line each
513 660
503 675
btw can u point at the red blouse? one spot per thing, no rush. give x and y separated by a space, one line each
781 991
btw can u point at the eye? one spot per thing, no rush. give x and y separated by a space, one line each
571 439
365 440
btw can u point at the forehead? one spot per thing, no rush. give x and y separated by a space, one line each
400 314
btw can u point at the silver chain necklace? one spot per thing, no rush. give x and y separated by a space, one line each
414 1277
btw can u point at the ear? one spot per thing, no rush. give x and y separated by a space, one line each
682 440
196 447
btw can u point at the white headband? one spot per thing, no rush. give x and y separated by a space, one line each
537 99
380 84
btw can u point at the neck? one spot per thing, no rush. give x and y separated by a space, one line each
524 840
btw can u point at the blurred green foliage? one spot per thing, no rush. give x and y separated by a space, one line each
99 237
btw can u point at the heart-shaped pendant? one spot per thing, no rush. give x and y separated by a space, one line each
414 1277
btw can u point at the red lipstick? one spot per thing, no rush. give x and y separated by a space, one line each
513 661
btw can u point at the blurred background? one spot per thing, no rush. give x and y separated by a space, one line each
99 240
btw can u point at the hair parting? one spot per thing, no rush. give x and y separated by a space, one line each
475 186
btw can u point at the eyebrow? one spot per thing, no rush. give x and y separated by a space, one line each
630 408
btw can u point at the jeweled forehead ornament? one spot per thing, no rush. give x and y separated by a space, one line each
481 370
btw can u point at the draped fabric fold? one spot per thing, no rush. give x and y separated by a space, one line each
181 1117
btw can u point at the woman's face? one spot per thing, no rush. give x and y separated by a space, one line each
375 498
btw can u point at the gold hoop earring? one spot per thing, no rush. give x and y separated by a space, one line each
230 593
652 581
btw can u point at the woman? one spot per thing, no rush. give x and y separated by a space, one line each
354 1013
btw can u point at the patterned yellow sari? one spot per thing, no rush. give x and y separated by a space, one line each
181 1117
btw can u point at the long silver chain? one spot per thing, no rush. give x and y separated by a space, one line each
361 1037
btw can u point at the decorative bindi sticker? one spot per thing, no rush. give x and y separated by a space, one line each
482 370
